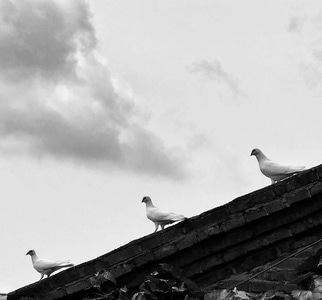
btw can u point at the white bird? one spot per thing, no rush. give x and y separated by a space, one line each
159 217
45 266
273 170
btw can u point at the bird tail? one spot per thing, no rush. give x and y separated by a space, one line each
299 169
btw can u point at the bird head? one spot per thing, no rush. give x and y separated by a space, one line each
31 252
146 199
255 152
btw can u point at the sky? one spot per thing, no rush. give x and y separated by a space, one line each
105 102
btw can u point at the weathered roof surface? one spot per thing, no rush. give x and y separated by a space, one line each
212 248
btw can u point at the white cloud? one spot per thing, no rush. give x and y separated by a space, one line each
307 25
214 71
58 97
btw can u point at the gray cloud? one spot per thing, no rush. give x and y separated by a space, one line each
39 38
295 24
214 71
58 98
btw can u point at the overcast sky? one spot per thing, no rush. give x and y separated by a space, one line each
104 102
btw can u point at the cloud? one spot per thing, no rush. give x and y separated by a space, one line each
39 38
59 99
214 71
295 24
308 48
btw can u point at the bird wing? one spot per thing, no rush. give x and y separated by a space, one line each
45 264
157 215
271 168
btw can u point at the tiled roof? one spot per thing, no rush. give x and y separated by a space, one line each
212 248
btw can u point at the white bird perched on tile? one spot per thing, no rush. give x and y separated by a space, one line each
273 170
45 266
159 217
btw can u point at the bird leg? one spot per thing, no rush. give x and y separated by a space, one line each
273 181
156 227
42 275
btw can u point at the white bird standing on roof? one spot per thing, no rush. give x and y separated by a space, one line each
159 217
46 267
273 170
